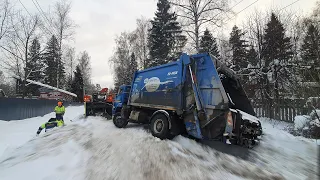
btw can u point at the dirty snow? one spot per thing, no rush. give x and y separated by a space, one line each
94 149
301 121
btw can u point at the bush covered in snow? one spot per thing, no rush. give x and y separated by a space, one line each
308 126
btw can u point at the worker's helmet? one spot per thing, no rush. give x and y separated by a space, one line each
60 102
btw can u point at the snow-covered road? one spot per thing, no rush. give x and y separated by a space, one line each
93 148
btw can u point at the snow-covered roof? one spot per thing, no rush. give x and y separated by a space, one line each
51 87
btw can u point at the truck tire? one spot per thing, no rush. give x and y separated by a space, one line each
118 121
159 126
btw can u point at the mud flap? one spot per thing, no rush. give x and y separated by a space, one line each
193 125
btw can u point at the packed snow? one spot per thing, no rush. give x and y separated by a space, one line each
92 148
301 121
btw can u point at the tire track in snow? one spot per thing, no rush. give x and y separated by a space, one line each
132 153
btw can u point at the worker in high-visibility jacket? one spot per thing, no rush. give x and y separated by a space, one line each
54 122
59 110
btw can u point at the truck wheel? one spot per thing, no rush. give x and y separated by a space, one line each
118 121
159 126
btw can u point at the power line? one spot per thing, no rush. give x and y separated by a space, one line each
244 9
239 12
236 4
230 8
43 15
25 8
289 5
31 15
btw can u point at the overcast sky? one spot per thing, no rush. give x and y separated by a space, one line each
100 21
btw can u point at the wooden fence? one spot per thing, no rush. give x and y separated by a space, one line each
285 109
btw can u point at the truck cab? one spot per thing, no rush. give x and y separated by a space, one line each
121 98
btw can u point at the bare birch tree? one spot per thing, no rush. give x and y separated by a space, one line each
70 60
85 67
140 41
17 46
63 24
196 14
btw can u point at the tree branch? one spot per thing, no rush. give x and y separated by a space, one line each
182 6
190 18
212 20
188 32
11 52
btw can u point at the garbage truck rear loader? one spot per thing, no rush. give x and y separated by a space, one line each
195 95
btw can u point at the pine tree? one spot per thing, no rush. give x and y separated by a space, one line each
54 66
275 44
310 52
34 66
252 56
208 44
165 39
77 84
238 47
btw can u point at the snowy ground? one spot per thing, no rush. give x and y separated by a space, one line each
93 148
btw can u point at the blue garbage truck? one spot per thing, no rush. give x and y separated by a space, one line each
196 95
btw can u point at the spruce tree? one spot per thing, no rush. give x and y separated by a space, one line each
54 66
34 66
238 47
276 53
77 84
310 52
208 44
252 56
275 44
165 39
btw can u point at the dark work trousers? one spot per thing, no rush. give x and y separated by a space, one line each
59 117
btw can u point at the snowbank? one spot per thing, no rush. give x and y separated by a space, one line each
50 156
300 122
308 126
133 153
294 157
94 148
16 133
